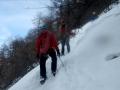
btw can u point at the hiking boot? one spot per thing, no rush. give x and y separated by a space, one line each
62 54
54 73
42 81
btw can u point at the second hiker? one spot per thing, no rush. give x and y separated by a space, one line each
64 37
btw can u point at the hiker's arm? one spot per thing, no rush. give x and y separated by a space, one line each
58 52
37 47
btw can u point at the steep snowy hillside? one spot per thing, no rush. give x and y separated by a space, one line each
94 61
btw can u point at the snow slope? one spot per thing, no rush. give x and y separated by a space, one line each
94 61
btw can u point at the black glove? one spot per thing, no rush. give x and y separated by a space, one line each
37 56
58 52
45 56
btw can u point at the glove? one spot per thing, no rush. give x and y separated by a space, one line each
37 56
45 56
58 52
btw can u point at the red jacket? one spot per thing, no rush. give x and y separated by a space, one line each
64 32
45 41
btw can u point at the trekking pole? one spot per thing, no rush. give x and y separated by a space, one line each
62 63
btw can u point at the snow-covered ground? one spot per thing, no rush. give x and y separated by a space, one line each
92 64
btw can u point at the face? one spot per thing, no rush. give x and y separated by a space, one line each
44 35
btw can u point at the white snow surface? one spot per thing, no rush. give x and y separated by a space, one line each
92 64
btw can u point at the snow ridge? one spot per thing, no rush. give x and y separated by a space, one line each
92 64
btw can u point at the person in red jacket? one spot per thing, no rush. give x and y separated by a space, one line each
64 37
46 44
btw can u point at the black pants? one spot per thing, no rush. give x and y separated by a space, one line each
51 52
65 41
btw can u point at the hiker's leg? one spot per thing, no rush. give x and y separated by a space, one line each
67 43
53 56
63 46
43 66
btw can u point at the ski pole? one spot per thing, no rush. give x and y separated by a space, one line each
62 63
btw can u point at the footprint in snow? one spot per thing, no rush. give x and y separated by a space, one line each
112 56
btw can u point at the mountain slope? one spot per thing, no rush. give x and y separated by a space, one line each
94 61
